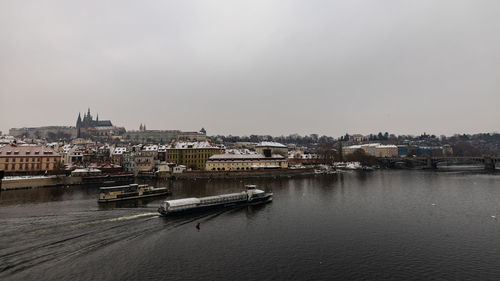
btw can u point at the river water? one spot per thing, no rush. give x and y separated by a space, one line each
381 225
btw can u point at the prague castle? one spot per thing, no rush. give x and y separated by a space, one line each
103 130
88 127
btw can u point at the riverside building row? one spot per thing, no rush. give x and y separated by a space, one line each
18 158
388 151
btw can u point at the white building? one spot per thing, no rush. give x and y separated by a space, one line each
273 147
373 149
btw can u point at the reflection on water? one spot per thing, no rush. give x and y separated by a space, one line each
48 194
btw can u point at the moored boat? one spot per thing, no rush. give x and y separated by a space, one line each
250 196
130 191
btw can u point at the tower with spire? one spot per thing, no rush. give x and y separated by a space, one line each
78 125
88 122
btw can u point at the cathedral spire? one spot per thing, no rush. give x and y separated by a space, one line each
78 125
88 112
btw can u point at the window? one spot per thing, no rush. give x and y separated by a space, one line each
6 159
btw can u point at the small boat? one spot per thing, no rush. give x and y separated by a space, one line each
130 191
251 196
114 178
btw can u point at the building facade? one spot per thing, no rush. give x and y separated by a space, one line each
144 162
193 155
386 151
245 162
138 161
27 159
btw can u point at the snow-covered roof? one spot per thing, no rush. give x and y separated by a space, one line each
240 151
182 202
191 145
87 170
354 147
119 150
103 128
23 150
66 148
153 147
271 144
371 144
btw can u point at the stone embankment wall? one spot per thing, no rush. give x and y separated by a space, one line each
242 174
28 183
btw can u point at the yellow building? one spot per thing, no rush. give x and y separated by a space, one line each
193 155
245 162
27 159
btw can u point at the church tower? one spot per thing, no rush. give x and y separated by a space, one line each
78 125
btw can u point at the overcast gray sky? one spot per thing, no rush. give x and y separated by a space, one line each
254 67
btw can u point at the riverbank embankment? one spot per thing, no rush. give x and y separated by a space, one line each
51 181
36 182
275 173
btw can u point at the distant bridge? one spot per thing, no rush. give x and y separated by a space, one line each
431 162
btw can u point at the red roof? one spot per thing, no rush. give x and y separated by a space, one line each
26 150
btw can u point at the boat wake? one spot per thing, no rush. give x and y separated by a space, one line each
125 218
67 240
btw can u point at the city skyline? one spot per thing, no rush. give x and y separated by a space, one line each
253 67
146 127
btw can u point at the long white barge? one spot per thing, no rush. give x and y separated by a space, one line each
250 196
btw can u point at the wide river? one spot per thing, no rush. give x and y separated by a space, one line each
381 225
